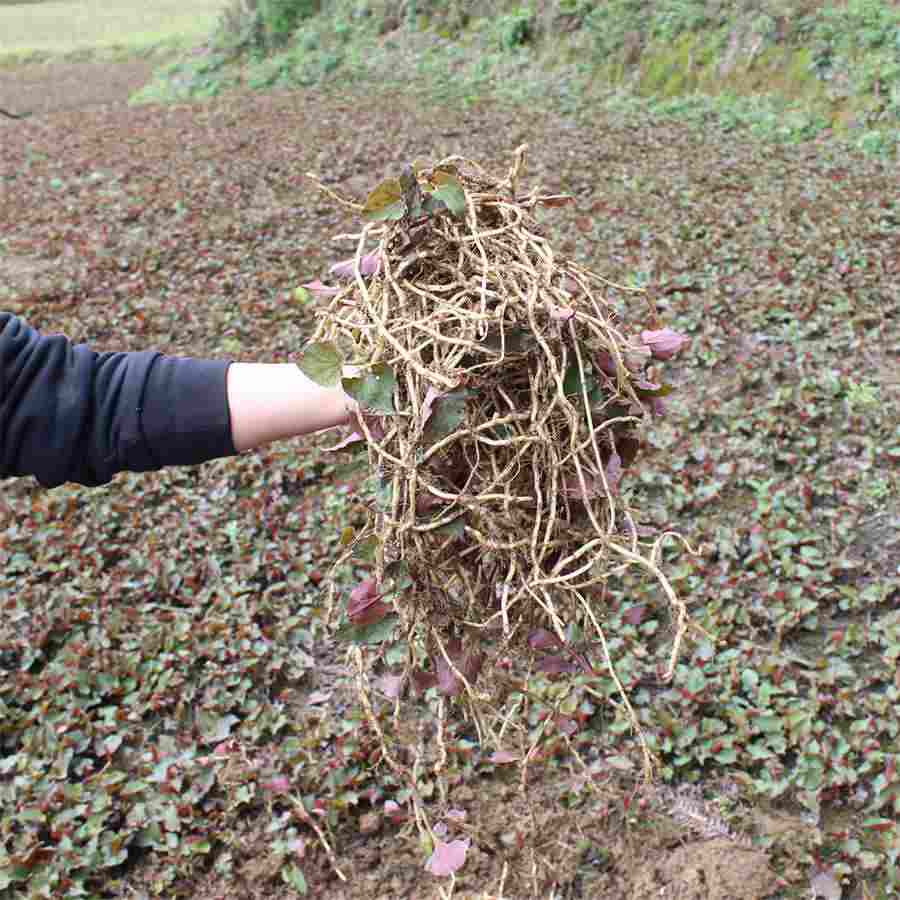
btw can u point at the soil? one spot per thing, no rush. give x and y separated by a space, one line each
46 88
517 852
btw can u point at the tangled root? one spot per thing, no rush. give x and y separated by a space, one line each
518 400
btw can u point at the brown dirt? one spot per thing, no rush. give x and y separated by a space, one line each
44 88
21 271
520 848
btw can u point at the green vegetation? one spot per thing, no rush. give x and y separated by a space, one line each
790 71
102 28
176 717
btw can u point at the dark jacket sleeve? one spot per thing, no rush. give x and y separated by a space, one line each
70 414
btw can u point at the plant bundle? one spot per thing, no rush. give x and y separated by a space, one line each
501 399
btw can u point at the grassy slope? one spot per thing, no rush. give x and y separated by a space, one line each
785 71
97 26
779 455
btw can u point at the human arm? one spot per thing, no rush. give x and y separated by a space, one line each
269 401
70 414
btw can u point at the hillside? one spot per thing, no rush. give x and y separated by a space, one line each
782 70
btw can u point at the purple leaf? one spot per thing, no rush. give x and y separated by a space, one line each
541 639
428 403
316 287
426 502
447 682
824 884
561 313
390 685
572 487
278 785
639 530
605 362
373 612
469 664
503 756
614 471
663 343
423 680
374 423
447 858
555 665
368 265
394 811
566 725
363 607
636 357
571 285
634 614
364 591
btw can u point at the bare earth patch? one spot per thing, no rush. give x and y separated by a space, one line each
19 272
44 88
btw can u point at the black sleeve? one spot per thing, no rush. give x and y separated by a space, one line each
70 414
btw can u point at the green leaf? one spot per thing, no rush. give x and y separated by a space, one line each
433 206
572 382
365 550
769 724
214 729
346 471
749 681
398 572
374 633
448 189
455 529
384 494
448 412
646 392
14 873
322 364
812 772
758 750
293 877
695 682
385 202
301 295
195 848
515 340
412 192
726 755
31 815
374 391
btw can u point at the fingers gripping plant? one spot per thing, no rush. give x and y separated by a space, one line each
500 401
